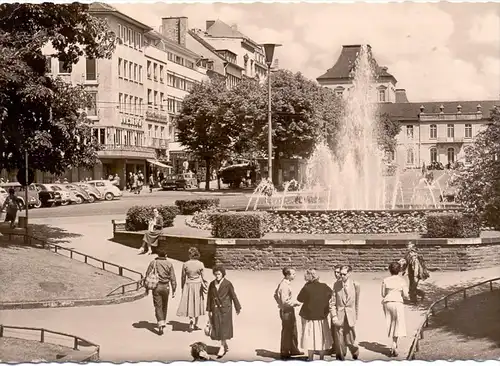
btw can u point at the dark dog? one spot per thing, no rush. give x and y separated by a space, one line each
199 352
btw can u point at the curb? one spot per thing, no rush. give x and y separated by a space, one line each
48 304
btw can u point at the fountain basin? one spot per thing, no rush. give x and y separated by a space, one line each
318 221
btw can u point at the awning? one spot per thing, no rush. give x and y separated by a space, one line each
157 163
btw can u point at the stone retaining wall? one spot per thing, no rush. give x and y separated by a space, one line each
351 221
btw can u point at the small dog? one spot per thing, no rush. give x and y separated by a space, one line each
199 352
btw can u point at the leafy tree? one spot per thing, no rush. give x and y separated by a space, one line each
38 113
388 129
204 125
478 184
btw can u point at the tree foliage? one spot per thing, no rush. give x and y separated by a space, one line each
39 113
478 184
388 129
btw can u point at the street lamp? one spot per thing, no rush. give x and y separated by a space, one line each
269 53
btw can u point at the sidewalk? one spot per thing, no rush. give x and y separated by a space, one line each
123 331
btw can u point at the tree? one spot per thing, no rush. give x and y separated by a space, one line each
478 184
38 113
387 131
204 124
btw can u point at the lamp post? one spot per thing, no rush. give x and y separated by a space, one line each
269 54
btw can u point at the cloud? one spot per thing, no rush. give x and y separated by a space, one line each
486 29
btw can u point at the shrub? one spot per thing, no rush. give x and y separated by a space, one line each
239 224
201 219
189 207
453 225
139 216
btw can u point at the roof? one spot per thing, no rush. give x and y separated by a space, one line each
219 29
346 62
405 111
103 8
204 43
173 45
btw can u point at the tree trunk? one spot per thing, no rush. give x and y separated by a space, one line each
207 174
217 171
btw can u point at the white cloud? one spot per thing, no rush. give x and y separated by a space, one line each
486 29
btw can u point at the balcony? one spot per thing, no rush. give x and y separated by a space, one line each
127 151
449 140
156 116
424 117
158 143
131 121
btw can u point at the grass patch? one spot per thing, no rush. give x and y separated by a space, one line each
468 331
15 350
33 274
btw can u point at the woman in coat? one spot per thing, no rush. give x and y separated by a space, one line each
150 238
193 287
394 289
315 297
220 299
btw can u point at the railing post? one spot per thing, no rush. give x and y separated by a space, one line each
1 331
42 336
71 254
491 285
75 344
55 249
123 290
86 258
103 266
465 293
120 271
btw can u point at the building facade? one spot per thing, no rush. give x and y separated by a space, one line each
430 131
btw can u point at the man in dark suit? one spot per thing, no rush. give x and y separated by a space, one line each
332 326
344 309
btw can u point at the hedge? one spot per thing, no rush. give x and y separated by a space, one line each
189 207
138 216
453 225
239 224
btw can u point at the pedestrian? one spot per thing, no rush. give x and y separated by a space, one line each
150 238
315 298
130 181
166 279
414 265
140 182
151 183
135 183
394 289
344 309
286 304
220 299
336 274
13 204
116 181
194 287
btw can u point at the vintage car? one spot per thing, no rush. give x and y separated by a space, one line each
179 181
49 196
80 194
33 198
92 191
107 189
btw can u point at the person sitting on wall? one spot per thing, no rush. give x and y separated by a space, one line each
151 237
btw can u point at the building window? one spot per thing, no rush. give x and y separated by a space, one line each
92 108
434 155
125 68
190 64
339 91
161 73
119 67
130 75
468 131
135 72
451 155
91 69
410 157
170 79
433 132
136 105
140 106
156 99
102 136
140 41
409 132
140 74
120 102
451 131
120 31
149 69
150 96
171 105
161 101
155 71
381 95
64 70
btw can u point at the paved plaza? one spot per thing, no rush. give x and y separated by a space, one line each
125 331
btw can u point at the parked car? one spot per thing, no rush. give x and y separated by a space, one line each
49 195
179 181
107 189
92 191
33 198
67 197
80 194
234 175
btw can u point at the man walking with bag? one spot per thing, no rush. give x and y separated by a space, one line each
286 304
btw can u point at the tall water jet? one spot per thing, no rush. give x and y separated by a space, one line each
355 171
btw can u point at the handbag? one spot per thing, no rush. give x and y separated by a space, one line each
208 328
152 279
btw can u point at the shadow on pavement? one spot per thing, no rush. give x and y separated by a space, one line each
376 347
152 327
178 326
52 233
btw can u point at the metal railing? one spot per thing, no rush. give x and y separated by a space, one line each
104 265
76 339
445 301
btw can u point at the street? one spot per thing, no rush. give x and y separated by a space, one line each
120 207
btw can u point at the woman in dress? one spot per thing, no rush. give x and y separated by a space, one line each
150 238
220 299
315 298
193 286
394 289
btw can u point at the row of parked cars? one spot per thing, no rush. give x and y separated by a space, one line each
51 194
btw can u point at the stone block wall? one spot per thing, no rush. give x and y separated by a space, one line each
351 221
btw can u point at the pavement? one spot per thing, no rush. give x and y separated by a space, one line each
125 332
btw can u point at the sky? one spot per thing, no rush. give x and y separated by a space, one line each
436 51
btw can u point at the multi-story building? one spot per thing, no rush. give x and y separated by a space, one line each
235 48
431 131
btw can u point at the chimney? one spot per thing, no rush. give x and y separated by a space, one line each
175 29
401 96
209 23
